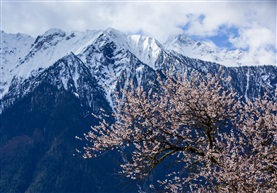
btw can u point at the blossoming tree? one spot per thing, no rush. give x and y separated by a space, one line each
221 143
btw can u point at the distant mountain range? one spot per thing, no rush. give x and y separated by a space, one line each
202 50
52 83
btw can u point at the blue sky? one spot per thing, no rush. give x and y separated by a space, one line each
245 25
221 39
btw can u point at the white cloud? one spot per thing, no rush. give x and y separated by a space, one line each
255 21
254 37
260 43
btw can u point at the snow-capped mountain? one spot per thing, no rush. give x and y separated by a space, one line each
52 83
106 54
205 51
23 56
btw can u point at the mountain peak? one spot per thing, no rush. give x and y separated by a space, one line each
116 35
204 50
184 39
181 38
112 30
54 31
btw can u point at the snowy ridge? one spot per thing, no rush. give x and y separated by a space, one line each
14 47
51 46
35 55
110 57
146 49
182 44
